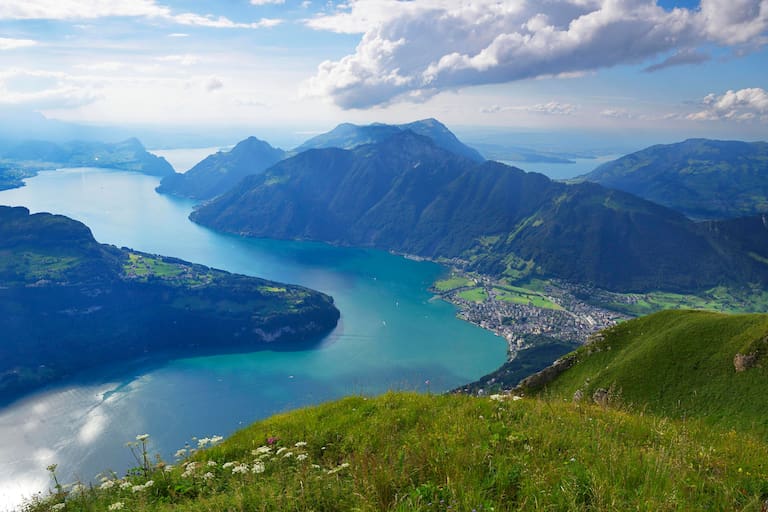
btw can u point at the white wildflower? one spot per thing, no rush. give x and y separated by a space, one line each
58 506
281 450
126 485
516 398
338 468
228 465
181 453
316 466
497 398
216 439
287 455
168 468
116 506
242 469
148 484
201 443
137 488
258 467
262 450
208 476
302 456
211 464
107 485
142 437
300 444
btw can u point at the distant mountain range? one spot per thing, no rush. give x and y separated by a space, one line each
704 179
22 160
68 303
221 171
408 194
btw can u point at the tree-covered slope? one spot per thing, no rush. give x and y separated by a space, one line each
409 195
128 155
679 364
68 303
217 173
349 136
704 179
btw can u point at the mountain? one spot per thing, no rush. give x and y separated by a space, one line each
349 136
409 195
26 158
219 172
423 452
704 179
678 364
68 303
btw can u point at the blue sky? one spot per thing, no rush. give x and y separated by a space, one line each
689 68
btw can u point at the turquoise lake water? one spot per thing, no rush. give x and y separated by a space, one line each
392 335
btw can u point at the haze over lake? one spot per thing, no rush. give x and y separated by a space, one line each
392 335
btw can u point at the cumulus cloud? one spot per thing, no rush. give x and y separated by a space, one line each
415 49
213 84
93 9
742 105
11 44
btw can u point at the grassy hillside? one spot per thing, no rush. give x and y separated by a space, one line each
409 452
678 364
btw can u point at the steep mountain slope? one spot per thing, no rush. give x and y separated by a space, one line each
704 179
349 136
407 194
679 364
219 172
68 303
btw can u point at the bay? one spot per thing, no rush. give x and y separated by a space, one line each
392 335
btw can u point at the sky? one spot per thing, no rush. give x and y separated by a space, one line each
687 68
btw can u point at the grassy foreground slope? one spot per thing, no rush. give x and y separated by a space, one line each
679 364
410 452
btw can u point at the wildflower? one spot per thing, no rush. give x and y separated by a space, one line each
148 484
58 506
137 488
338 468
516 398
271 440
300 444
261 450
287 455
181 453
497 398
228 465
168 468
211 464
126 485
216 439
242 469
281 450
202 442
316 466
189 469
142 437
301 457
208 476
107 485
258 467
118 505
78 488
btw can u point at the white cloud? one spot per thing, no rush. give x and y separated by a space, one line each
184 60
742 105
266 2
414 49
43 89
94 9
549 108
682 57
178 34
213 84
11 44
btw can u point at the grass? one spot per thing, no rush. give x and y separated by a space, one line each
453 283
678 364
474 295
715 299
409 452
523 296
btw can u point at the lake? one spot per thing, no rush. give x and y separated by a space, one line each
392 335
